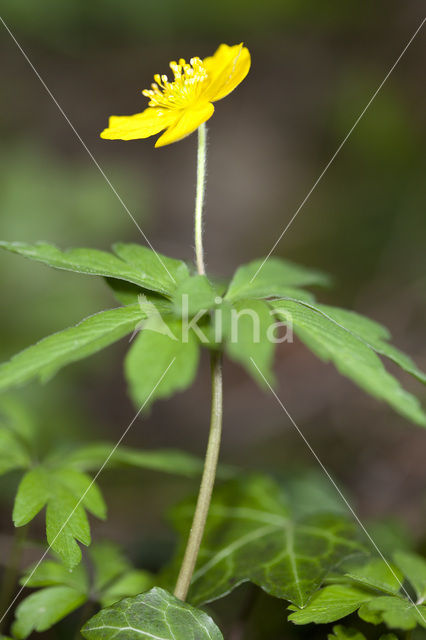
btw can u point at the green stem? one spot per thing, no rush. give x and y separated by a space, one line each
213 447
199 198
207 482
10 577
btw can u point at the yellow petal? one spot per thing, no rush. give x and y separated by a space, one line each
226 68
188 122
140 125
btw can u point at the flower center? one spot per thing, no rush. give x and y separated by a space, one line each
183 90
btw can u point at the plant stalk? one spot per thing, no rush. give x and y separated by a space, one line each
213 447
199 198
207 482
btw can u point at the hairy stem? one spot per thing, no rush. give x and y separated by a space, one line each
199 198
207 482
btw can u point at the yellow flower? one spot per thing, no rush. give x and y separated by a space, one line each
180 106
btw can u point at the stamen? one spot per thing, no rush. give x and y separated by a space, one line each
183 90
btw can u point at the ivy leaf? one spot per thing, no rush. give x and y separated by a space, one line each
247 329
155 614
351 355
56 351
149 357
251 536
43 609
413 567
194 294
133 263
172 461
275 279
61 491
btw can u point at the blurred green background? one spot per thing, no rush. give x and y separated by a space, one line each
315 66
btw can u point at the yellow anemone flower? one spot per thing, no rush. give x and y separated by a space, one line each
180 106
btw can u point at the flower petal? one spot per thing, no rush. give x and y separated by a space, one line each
188 122
226 68
140 125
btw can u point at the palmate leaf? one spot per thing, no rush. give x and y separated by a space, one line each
375 590
276 278
194 294
414 568
56 351
160 362
132 263
251 536
111 578
114 577
43 609
246 333
17 434
66 493
350 344
155 614
346 633
91 458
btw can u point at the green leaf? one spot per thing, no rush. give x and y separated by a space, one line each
155 614
43 609
413 567
172 461
194 294
247 331
160 364
344 633
372 334
109 563
395 612
32 495
133 263
114 577
352 357
251 536
155 271
129 584
66 494
366 589
275 279
16 436
54 352
330 604
13 453
50 573
378 575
